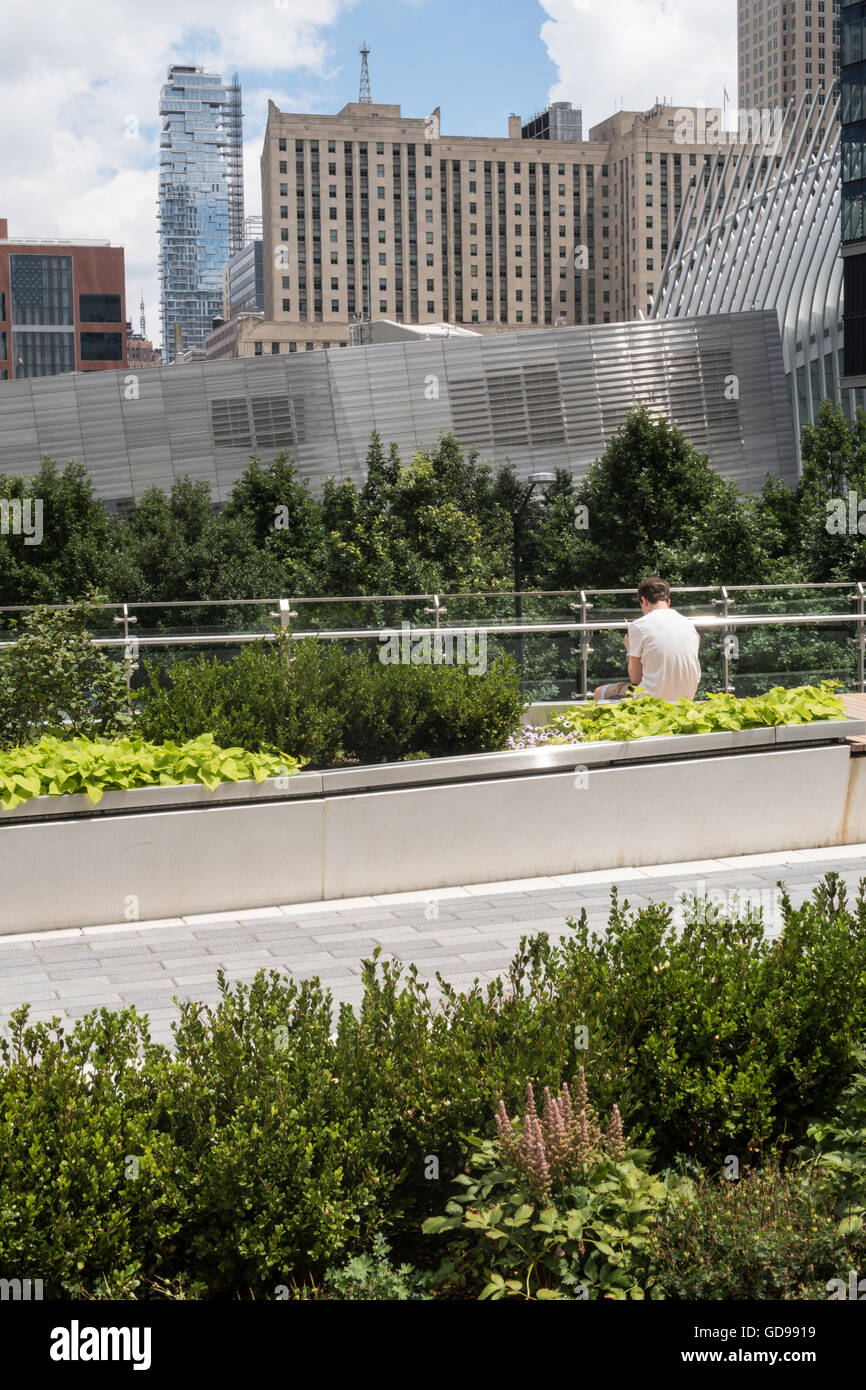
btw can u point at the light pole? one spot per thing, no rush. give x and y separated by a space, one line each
533 481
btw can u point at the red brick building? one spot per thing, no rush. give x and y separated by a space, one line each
62 307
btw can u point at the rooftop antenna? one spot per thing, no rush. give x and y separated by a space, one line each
365 74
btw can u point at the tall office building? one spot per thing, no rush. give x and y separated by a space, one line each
371 214
559 121
201 200
243 283
62 306
854 188
785 51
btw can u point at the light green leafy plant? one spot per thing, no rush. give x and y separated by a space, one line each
60 767
372 1277
647 717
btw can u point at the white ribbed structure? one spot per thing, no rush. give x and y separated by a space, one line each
772 242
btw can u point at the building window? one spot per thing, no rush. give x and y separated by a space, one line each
257 349
99 308
287 305
275 348
102 347
335 306
282 144
286 282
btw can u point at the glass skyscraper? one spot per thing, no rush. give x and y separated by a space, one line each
201 201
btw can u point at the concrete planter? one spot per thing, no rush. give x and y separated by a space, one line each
172 851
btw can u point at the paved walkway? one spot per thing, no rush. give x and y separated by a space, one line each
465 933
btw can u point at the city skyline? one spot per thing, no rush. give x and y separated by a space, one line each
90 130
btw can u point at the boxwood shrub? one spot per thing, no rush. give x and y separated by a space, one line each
275 1141
317 702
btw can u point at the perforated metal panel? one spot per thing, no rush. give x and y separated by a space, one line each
549 399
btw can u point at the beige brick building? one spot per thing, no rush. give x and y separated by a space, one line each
785 50
371 214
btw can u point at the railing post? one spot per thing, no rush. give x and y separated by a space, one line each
724 603
584 650
436 609
861 638
130 647
285 615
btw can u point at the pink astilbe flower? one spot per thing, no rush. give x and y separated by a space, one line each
614 1141
538 1170
567 1135
505 1130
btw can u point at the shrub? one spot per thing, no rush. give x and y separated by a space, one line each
55 679
325 706
275 1143
231 1166
393 712
837 1150
769 1235
271 695
713 1039
62 767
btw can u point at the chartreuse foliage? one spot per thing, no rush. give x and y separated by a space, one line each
646 717
60 767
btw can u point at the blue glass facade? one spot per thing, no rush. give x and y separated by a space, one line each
200 200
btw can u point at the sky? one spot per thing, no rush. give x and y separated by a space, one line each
80 89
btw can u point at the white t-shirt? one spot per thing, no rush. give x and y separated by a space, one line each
667 645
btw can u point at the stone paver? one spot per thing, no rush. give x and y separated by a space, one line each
467 934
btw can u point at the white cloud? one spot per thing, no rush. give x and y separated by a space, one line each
613 53
74 81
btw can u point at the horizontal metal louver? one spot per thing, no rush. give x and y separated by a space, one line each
272 422
230 423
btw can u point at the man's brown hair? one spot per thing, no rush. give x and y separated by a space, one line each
654 590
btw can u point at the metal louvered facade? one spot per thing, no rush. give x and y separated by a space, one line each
766 234
540 400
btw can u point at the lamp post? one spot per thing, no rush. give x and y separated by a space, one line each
534 480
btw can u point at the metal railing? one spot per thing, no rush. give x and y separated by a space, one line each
282 613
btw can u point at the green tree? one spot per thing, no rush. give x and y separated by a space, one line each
655 505
77 537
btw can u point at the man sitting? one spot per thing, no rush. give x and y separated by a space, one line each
662 650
